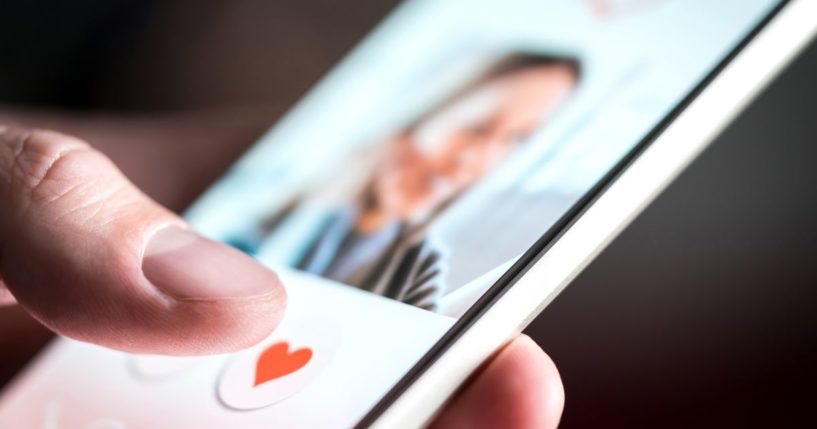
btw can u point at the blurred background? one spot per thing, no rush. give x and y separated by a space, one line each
703 312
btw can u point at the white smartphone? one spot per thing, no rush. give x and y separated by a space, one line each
428 198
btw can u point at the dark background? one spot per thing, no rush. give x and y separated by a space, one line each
702 313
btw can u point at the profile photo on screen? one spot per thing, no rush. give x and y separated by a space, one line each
375 234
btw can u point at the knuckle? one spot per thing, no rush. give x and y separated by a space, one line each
40 154
38 165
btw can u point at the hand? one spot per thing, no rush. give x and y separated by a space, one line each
93 258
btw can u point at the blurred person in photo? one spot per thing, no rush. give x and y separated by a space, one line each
369 228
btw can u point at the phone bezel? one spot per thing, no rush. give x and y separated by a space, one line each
382 413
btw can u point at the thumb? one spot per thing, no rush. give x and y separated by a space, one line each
94 259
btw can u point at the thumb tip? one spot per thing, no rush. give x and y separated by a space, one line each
225 300
188 266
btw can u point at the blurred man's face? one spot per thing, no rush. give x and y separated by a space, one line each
461 143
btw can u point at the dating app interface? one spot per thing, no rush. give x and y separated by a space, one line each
399 190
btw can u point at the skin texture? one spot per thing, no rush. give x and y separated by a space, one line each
77 238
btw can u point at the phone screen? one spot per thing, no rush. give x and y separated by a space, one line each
395 194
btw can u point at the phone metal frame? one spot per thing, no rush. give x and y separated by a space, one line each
592 223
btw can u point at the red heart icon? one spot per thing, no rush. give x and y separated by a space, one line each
276 361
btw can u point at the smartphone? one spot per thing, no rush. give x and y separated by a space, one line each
430 196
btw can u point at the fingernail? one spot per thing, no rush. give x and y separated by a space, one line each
186 265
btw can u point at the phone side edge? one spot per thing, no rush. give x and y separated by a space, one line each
720 102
